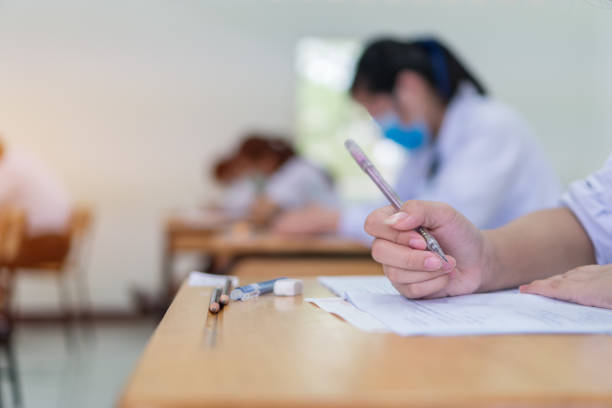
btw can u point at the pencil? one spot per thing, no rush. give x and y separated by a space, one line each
224 299
214 305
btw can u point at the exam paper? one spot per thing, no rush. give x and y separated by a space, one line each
340 285
210 280
349 313
505 312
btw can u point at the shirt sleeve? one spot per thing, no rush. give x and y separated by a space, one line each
493 175
298 184
281 187
352 220
591 201
475 177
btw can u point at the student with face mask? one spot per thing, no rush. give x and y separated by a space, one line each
465 148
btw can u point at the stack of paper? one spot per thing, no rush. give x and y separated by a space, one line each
504 312
341 285
210 280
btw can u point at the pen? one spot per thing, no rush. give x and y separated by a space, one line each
224 299
367 166
253 290
214 305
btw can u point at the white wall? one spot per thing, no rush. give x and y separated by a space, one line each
129 99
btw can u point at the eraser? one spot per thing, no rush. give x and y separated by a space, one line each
288 287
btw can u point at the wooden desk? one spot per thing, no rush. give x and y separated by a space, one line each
280 352
273 268
220 241
215 238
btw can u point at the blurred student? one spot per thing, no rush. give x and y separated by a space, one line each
464 147
575 240
288 181
239 187
27 184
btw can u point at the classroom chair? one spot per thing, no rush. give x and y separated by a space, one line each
72 270
12 228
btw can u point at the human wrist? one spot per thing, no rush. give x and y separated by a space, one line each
491 266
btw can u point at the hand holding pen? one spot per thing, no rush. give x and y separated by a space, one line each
414 270
367 166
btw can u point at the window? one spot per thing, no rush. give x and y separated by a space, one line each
326 117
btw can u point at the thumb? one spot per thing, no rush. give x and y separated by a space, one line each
429 214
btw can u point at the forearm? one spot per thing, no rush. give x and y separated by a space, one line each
328 221
535 246
263 211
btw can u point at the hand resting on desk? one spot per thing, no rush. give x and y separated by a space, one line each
589 285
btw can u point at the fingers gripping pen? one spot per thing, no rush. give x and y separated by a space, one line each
367 166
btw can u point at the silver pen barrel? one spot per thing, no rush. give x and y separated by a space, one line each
432 243
366 165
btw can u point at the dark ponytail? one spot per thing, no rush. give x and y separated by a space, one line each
383 59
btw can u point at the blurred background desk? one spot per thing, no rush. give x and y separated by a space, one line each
229 244
277 352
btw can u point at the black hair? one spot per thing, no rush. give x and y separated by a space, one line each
259 145
384 58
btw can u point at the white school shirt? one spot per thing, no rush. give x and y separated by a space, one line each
591 200
239 196
299 183
28 185
485 163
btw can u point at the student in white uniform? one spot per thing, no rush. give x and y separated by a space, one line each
26 184
568 249
239 189
465 148
291 182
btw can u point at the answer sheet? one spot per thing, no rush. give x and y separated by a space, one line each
340 285
349 313
505 312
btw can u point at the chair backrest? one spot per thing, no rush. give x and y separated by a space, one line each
12 230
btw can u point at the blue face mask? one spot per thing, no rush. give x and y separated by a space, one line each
410 137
